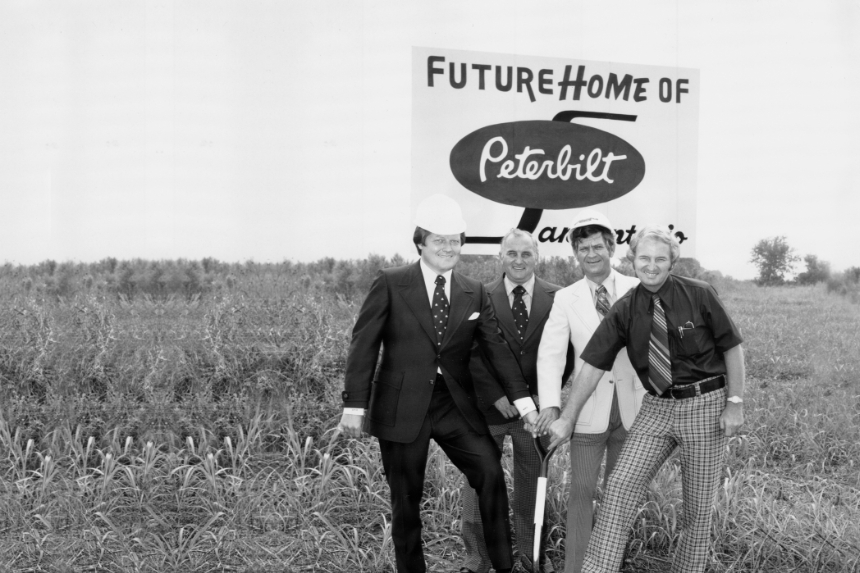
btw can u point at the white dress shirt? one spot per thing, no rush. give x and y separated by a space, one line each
609 283
430 282
529 285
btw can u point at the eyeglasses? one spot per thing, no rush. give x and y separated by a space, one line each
440 242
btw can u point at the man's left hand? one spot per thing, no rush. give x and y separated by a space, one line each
546 417
559 431
507 409
529 420
732 418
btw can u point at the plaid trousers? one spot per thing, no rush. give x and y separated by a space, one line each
526 470
663 424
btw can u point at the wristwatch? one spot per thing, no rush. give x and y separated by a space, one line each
735 399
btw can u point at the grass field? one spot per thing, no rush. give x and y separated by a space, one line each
177 417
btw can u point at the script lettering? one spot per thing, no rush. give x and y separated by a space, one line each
528 164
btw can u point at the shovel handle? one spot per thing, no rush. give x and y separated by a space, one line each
540 502
544 454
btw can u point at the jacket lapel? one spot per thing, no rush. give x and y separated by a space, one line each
414 292
541 305
503 309
583 305
461 302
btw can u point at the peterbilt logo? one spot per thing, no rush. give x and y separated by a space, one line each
546 164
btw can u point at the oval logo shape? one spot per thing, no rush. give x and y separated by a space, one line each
546 164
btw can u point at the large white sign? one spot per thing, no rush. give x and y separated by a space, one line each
523 141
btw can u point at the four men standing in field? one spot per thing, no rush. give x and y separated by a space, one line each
680 344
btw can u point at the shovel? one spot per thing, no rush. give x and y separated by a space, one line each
540 502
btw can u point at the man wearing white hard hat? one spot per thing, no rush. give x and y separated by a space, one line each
602 427
426 317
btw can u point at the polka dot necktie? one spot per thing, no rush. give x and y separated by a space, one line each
440 310
521 315
659 367
602 302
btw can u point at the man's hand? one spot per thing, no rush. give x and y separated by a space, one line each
351 425
732 418
546 417
559 432
507 409
529 420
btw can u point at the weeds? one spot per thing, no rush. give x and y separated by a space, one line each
147 428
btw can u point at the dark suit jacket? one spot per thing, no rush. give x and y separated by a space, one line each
396 314
484 376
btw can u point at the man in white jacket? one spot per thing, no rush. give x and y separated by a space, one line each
602 425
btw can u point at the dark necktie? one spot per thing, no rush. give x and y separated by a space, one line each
659 367
440 310
521 315
602 302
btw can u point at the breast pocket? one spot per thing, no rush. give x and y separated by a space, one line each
693 342
468 326
384 397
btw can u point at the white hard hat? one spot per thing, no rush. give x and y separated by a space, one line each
441 215
586 218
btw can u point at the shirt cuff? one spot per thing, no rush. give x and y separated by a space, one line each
524 406
354 411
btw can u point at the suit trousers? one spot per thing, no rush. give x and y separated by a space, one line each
476 455
664 424
526 470
586 453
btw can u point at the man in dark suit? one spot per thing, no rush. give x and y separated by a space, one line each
426 318
522 303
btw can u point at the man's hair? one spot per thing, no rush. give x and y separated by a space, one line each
420 235
581 233
658 234
518 233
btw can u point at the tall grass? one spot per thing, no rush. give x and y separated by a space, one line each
190 430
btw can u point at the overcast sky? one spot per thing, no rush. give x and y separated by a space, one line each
275 130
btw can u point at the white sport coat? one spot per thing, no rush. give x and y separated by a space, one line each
573 317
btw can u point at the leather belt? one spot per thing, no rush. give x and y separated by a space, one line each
695 389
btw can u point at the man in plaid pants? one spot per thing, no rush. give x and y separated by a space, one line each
687 353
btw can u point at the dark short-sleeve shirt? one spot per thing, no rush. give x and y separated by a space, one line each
696 351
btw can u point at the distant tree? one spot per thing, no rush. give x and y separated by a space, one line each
773 257
817 271
687 267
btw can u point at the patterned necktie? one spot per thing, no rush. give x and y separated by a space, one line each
521 315
602 302
659 367
440 310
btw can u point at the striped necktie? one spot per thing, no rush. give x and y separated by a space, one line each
659 366
602 303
